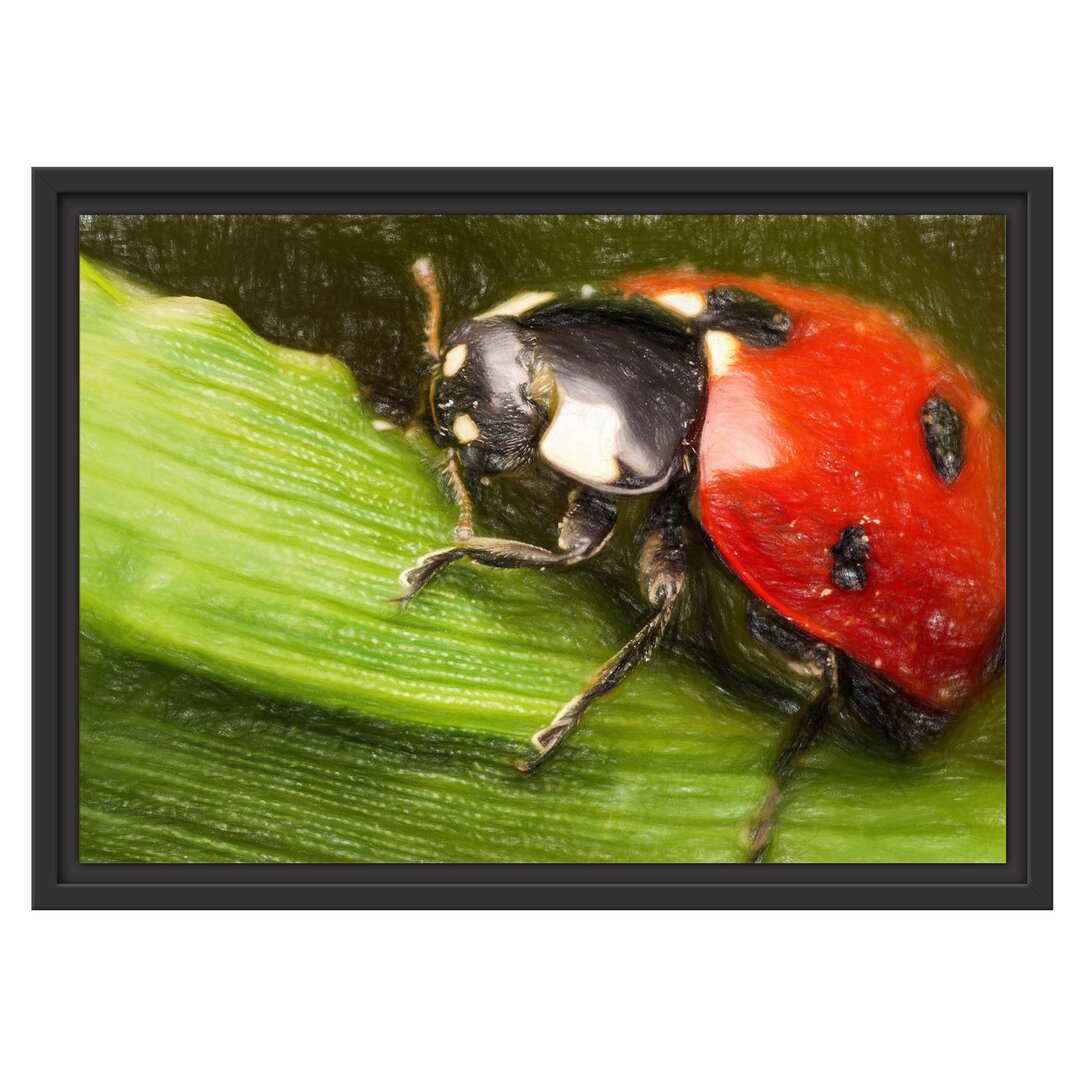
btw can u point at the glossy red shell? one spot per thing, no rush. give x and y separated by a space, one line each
825 432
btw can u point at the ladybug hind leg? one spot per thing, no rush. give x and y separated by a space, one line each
662 573
805 728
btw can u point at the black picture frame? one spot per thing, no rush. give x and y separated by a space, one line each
1024 196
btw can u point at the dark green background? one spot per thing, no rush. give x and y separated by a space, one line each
342 285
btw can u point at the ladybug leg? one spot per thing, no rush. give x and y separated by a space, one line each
662 571
584 530
801 734
452 471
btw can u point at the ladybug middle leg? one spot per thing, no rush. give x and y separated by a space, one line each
662 573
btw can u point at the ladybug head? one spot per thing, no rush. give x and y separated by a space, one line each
488 398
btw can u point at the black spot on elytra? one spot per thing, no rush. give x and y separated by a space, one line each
850 553
943 431
748 317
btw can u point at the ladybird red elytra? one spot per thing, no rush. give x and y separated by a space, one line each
846 469
830 433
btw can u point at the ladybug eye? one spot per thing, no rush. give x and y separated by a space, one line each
943 432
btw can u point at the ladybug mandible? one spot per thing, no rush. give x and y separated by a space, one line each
847 470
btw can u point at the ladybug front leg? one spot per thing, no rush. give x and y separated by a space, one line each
662 570
584 530
452 471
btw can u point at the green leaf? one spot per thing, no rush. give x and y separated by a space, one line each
248 694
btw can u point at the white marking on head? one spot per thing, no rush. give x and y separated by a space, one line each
465 429
683 302
517 305
587 291
455 357
580 441
721 350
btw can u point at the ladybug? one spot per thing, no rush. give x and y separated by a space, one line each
846 469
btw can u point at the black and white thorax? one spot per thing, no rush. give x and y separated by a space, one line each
607 394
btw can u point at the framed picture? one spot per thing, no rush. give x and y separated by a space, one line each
542 538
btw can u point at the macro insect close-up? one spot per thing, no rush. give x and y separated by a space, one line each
542 538
845 469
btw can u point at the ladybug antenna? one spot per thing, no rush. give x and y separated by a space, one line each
424 275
